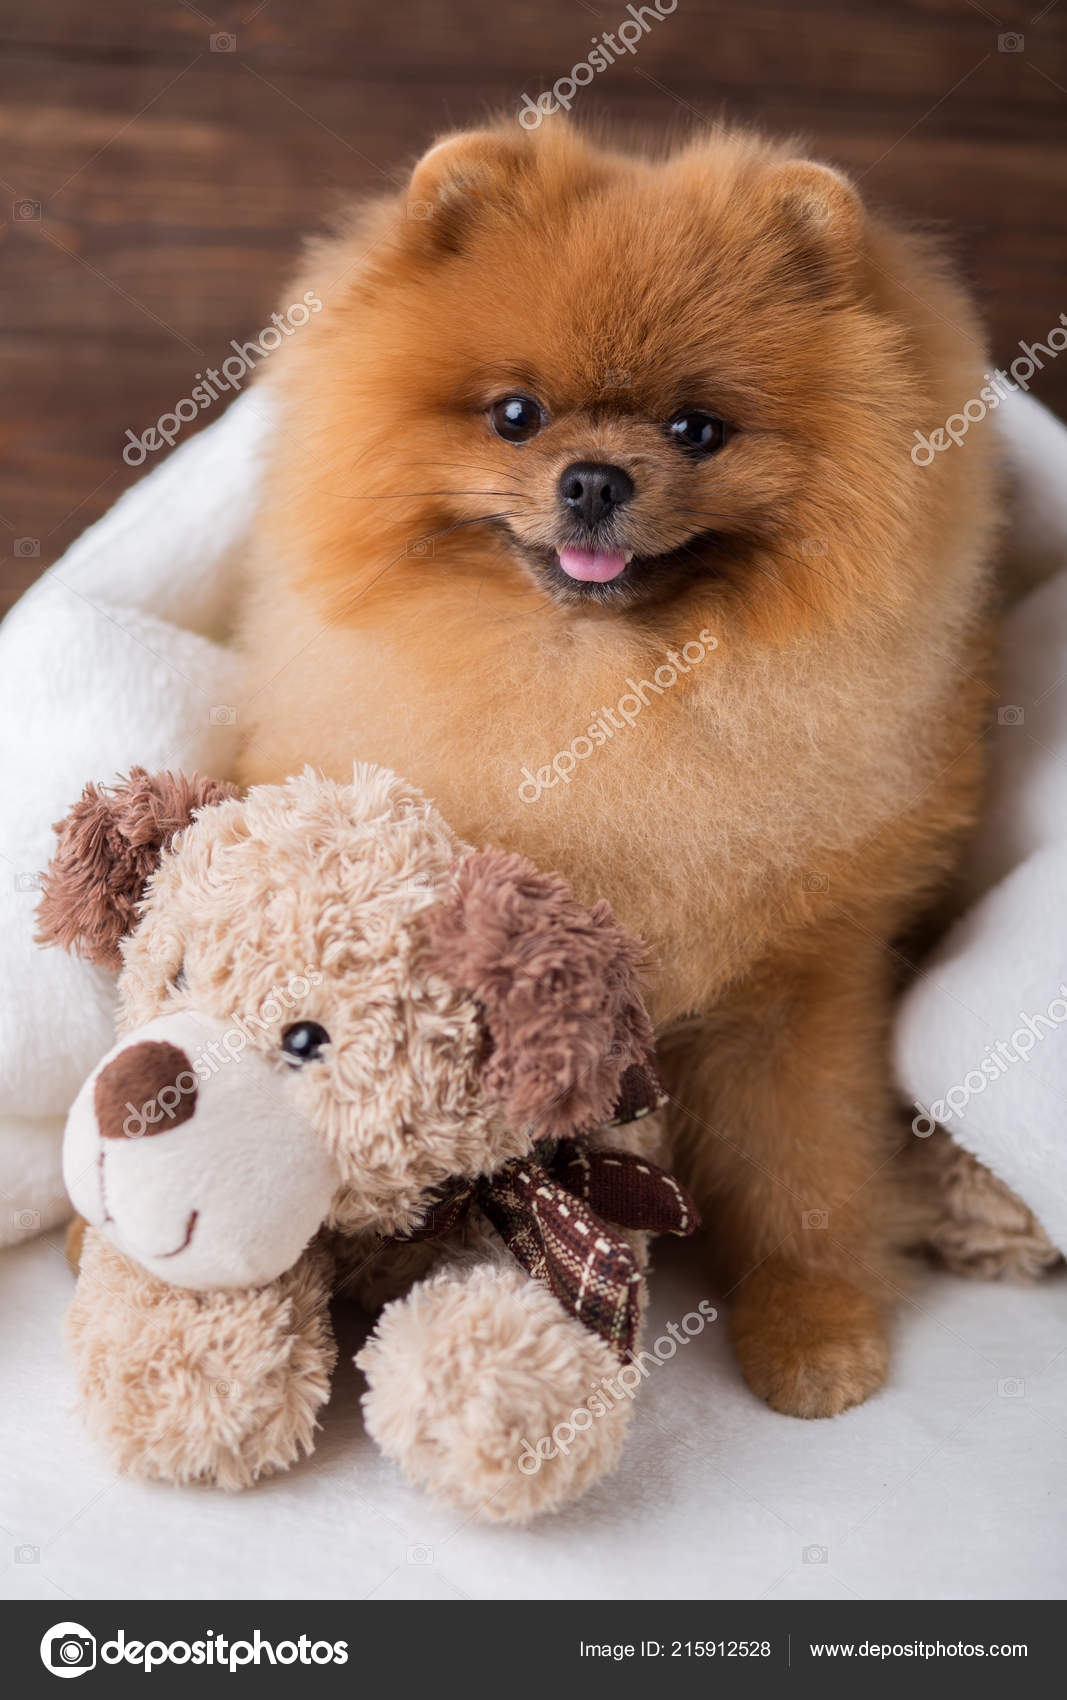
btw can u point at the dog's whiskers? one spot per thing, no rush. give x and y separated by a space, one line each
412 495
424 537
472 466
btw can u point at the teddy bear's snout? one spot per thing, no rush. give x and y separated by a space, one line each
245 1178
150 1087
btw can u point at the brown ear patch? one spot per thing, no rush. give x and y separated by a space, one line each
559 983
109 845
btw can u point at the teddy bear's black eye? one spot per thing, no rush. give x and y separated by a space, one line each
304 1041
699 430
179 981
516 418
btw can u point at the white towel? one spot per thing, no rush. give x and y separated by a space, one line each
982 1034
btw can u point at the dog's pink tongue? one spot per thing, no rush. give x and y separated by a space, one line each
593 565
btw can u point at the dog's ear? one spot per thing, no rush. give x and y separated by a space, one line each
822 207
109 845
458 176
559 985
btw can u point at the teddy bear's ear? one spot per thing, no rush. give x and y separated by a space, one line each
109 845
559 985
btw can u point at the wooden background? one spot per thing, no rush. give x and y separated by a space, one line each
159 162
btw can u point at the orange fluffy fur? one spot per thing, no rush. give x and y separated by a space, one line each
775 818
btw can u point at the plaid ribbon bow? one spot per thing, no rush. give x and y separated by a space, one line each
553 1210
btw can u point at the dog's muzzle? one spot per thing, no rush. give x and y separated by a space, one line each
193 1155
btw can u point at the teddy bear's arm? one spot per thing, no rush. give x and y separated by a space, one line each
488 1393
183 1386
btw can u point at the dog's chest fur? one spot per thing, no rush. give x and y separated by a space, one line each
737 799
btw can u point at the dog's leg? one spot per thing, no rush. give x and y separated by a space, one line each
785 1110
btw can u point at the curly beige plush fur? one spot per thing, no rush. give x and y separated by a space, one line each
469 1003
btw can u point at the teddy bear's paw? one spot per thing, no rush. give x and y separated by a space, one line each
487 1393
220 1387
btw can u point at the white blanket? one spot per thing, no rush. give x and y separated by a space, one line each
982 1034
947 1485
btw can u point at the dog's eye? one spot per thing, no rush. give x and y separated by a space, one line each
303 1042
697 429
516 418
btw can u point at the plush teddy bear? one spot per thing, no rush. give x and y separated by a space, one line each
357 1055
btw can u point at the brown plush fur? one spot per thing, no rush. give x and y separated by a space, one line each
108 845
558 985
773 820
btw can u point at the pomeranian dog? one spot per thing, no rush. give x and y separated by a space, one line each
591 510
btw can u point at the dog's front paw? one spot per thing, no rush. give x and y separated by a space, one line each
486 1392
200 1387
810 1345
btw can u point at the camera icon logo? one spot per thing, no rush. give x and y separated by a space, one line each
814 546
27 881
816 1218
617 378
27 548
1011 715
27 1555
68 1649
223 714
815 1555
420 210
419 885
1011 1388
1010 42
26 1221
223 42
26 209
420 1555
816 882
420 547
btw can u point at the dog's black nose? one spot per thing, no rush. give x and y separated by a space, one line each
592 491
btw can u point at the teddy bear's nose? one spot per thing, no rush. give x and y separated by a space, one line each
150 1087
